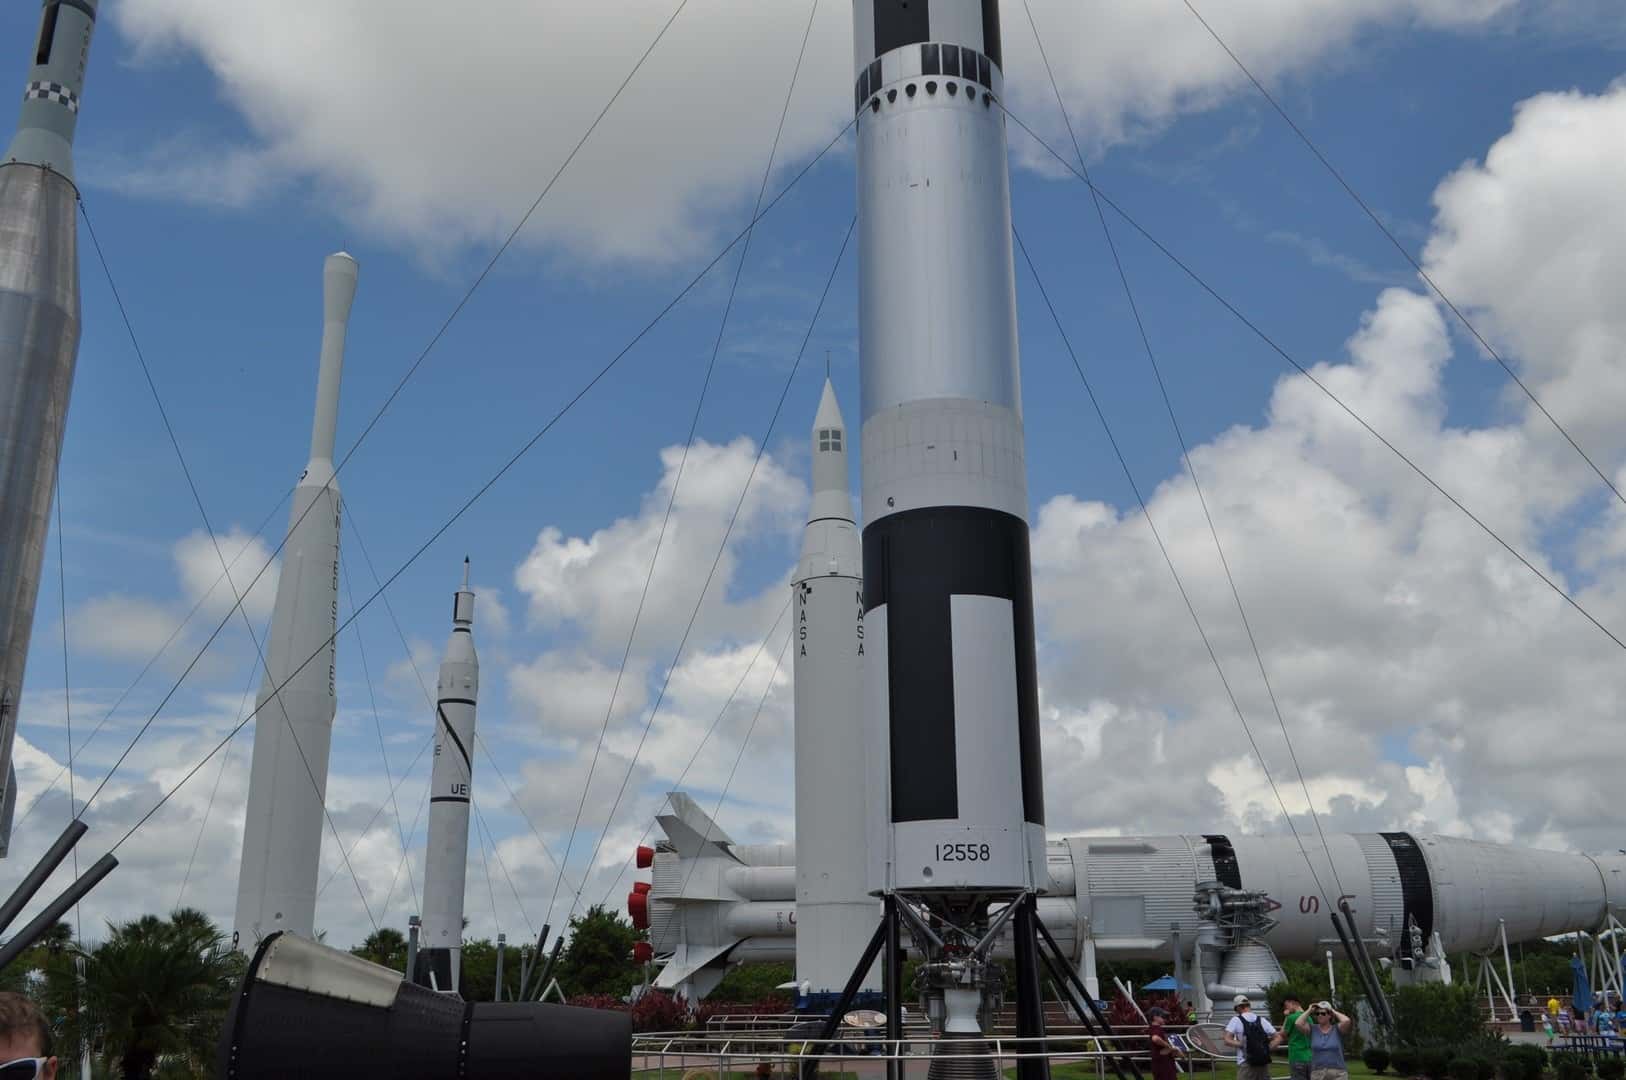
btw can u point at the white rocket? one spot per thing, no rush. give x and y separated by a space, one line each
951 681
39 336
1415 899
293 728
456 694
837 915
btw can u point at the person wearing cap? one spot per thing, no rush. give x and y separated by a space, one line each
1163 1067
1236 1036
1298 1042
1326 1027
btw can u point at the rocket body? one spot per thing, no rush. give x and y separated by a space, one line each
950 683
293 727
1131 897
446 864
837 914
39 337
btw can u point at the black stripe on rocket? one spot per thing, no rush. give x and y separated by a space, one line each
914 561
1416 888
446 724
909 22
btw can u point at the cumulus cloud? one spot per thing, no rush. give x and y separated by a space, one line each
1425 675
386 109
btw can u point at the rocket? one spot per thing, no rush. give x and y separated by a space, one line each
951 683
1416 897
39 336
837 914
456 694
293 727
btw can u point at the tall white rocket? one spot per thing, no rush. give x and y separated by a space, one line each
293 726
446 864
835 913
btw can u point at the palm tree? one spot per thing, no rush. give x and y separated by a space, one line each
156 992
385 946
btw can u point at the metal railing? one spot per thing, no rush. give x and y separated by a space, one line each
692 1055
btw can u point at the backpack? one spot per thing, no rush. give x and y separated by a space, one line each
1255 1043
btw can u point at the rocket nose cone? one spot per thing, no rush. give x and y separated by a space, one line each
829 414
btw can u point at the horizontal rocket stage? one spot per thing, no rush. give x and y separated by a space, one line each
1132 897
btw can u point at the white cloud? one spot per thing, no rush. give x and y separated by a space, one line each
390 109
198 564
121 627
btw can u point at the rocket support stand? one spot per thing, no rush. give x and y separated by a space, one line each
1073 991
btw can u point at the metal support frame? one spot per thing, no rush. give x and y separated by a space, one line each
1498 984
1029 994
886 930
1355 949
1079 998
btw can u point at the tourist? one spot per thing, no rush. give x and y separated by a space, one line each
1250 1036
1326 1027
1297 1039
1163 1067
25 1039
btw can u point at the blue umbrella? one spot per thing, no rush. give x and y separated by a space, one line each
1582 990
1170 983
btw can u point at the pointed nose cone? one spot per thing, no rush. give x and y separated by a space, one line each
829 415
829 444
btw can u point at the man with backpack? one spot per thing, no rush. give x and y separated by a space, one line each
1250 1035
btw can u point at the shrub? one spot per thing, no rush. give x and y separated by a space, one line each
1524 1062
1572 1068
1376 1058
1435 1062
655 1011
1404 1060
1611 1069
1437 1013
1463 1068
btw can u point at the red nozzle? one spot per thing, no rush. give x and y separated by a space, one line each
646 857
643 952
641 887
638 908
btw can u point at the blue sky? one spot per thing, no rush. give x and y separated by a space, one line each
215 212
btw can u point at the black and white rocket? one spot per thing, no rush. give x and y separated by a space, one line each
293 724
446 864
950 680
835 911
39 336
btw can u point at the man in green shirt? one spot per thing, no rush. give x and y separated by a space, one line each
1298 1042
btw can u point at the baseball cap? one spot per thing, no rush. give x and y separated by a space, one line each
1241 1000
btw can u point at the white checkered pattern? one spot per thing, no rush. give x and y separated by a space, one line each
50 91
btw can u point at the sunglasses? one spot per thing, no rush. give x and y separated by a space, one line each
23 1068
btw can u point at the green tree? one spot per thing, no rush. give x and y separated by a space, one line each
746 983
156 995
598 959
385 946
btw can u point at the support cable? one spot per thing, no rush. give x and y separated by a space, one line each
148 666
440 333
208 811
67 690
722 795
429 698
1293 362
502 471
214 542
1168 559
683 461
378 725
490 890
1185 448
406 854
678 783
1404 252
480 819
762 446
